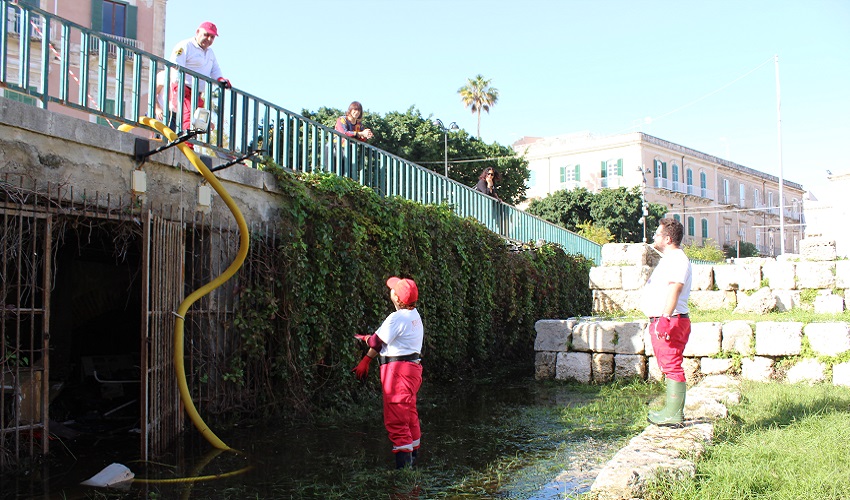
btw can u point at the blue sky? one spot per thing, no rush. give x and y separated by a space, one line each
601 66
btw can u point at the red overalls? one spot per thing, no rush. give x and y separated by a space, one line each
401 381
669 346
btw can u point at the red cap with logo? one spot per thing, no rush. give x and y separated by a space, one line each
405 289
210 27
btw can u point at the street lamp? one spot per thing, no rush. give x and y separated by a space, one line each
452 126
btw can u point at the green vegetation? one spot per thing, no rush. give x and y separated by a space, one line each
742 249
617 210
478 95
708 251
304 294
414 137
596 234
782 442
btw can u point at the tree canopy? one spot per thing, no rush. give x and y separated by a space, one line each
478 95
618 210
414 137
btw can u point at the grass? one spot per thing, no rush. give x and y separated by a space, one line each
782 442
723 315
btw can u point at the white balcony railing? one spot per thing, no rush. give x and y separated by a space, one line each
613 181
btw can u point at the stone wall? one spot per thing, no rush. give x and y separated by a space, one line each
600 351
812 279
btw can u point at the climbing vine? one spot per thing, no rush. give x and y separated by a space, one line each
323 279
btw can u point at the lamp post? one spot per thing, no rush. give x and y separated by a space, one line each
445 130
644 211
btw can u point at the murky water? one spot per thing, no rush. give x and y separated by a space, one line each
501 439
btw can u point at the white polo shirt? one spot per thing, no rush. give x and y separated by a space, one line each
402 333
190 55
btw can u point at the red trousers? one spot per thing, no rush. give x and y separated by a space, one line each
668 352
401 381
187 104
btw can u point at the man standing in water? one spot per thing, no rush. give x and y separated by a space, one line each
665 301
399 343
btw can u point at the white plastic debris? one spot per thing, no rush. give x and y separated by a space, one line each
113 476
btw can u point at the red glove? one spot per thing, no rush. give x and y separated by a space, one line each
364 338
662 328
362 368
224 82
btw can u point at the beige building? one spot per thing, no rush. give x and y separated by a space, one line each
715 199
138 23
827 215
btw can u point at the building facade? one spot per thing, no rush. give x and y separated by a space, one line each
715 199
138 23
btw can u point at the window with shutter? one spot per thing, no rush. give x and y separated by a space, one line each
690 226
563 175
578 173
704 228
114 18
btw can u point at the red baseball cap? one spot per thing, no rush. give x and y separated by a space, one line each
405 289
210 27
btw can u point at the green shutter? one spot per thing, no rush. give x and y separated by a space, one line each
604 169
96 15
578 172
108 108
664 169
620 167
30 3
563 175
130 24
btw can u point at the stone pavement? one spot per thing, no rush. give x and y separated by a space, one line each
667 449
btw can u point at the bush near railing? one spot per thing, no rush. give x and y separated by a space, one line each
338 243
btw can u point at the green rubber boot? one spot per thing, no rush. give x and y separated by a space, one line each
673 413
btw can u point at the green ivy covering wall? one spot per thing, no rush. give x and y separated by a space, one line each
324 282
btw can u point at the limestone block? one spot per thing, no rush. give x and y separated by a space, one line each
841 374
602 367
737 337
629 337
702 277
629 254
779 275
553 334
806 370
573 366
629 365
544 365
761 302
786 299
653 371
608 301
606 278
713 366
758 369
710 300
647 342
595 336
819 249
630 300
778 338
815 275
704 340
842 274
828 339
691 368
737 277
829 304
634 277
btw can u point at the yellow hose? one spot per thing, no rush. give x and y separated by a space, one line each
179 366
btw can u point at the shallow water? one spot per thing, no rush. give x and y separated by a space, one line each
490 440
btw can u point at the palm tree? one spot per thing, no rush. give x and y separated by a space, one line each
477 94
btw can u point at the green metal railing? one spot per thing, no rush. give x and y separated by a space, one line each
99 74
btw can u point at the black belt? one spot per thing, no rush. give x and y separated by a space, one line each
407 357
653 319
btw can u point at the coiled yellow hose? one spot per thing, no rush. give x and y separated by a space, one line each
179 366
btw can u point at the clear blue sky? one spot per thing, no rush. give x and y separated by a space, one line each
561 66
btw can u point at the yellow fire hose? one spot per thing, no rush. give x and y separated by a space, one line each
179 366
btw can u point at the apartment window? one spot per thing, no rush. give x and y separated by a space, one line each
114 17
611 172
570 174
725 190
532 179
758 240
795 207
690 226
770 200
675 172
756 198
703 181
727 233
678 218
742 194
689 181
704 224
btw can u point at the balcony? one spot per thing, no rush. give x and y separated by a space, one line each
111 48
15 21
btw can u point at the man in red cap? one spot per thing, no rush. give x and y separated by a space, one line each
194 54
399 341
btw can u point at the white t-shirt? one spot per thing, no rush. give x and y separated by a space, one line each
402 333
675 267
188 54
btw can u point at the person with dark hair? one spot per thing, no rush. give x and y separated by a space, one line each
665 301
351 123
487 182
399 343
